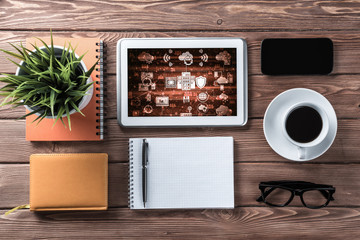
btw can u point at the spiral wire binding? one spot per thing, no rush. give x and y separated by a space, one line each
131 175
100 69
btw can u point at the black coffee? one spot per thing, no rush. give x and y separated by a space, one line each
304 124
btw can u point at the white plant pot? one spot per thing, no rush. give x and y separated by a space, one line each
84 101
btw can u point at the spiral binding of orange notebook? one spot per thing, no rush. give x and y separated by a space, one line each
90 127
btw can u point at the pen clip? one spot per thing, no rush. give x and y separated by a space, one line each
145 151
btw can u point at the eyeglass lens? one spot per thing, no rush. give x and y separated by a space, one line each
315 198
277 196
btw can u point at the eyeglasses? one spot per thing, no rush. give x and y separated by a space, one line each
281 193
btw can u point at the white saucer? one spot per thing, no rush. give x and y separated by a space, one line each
273 123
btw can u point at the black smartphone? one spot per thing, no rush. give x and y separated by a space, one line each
296 56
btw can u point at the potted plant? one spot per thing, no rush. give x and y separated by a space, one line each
50 81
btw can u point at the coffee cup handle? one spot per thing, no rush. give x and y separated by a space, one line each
301 152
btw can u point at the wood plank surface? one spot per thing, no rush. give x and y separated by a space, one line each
250 142
346 45
255 161
344 177
240 223
180 15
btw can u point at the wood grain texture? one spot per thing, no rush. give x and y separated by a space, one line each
346 45
14 182
250 142
240 223
179 15
255 161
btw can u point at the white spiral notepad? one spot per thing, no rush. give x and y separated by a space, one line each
183 173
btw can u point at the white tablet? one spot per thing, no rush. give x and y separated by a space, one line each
170 82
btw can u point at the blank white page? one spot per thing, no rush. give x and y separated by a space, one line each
184 173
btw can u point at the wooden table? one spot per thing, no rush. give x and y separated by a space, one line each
255 161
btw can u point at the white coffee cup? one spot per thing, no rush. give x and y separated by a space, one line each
302 147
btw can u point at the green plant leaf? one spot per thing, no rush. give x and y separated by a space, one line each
39 118
21 67
56 90
52 101
84 88
42 117
78 61
67 100
75 107
44 43
68 115
13 54
59 115
88 73
29 114
65 55
51 69
52 52
18 49
40 54
75 93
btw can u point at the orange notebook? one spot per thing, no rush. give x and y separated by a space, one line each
77 181
88 128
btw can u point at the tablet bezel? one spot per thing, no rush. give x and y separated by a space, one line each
146 43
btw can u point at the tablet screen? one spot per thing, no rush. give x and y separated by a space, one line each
182 82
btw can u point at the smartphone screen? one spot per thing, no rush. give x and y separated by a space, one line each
300 56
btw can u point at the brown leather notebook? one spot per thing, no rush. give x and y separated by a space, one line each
68 181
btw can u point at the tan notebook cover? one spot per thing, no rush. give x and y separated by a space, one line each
68 181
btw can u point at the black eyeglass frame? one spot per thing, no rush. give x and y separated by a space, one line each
297 188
